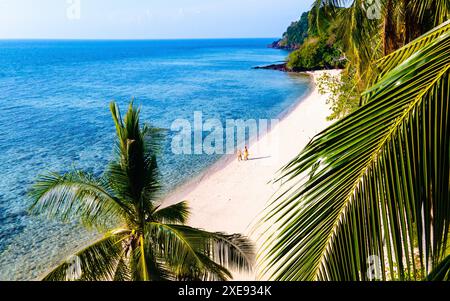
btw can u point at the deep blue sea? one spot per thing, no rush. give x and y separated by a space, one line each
54 116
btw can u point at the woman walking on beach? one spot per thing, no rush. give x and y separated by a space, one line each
246 154
239 155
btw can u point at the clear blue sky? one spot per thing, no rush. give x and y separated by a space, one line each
147 19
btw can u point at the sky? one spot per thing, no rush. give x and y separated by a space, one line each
147 19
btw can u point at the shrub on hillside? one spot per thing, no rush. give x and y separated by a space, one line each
315 53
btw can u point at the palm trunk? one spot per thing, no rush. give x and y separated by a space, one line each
414 25
390 38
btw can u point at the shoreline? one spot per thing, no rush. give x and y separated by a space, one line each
187 186
229 196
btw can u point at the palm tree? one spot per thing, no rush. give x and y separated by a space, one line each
376 183
371 29
141 239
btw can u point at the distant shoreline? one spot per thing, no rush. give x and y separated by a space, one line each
283 68
277 67
129 40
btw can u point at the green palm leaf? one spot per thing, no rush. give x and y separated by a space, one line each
203 251
359 33
436 10
180 252
175 214
387 63
380 185
441 272
134 174
99 261
123 272
76 195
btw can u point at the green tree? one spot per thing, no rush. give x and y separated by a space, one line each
344 98
315 53
367 31
296 33
142 240
370 30
375 183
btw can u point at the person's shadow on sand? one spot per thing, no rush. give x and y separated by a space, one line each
259 158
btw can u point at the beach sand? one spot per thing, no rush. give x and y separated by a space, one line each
231 196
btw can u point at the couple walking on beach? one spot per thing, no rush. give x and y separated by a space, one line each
243 156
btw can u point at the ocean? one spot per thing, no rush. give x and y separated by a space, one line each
54 98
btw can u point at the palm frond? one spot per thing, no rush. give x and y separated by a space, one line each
134 174
321 15
153 138
359 34
389 62
441 272
436 10
179 253
77 195
175 214
382 185
98 261
187 249
212 271
123 271
131 152
141 263
233 251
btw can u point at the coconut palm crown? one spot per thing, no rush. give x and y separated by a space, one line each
371 29
141 240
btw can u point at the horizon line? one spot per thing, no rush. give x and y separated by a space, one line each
133 39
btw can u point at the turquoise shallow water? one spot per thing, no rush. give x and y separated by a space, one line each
54 98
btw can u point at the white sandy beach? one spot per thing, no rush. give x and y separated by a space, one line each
231 197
